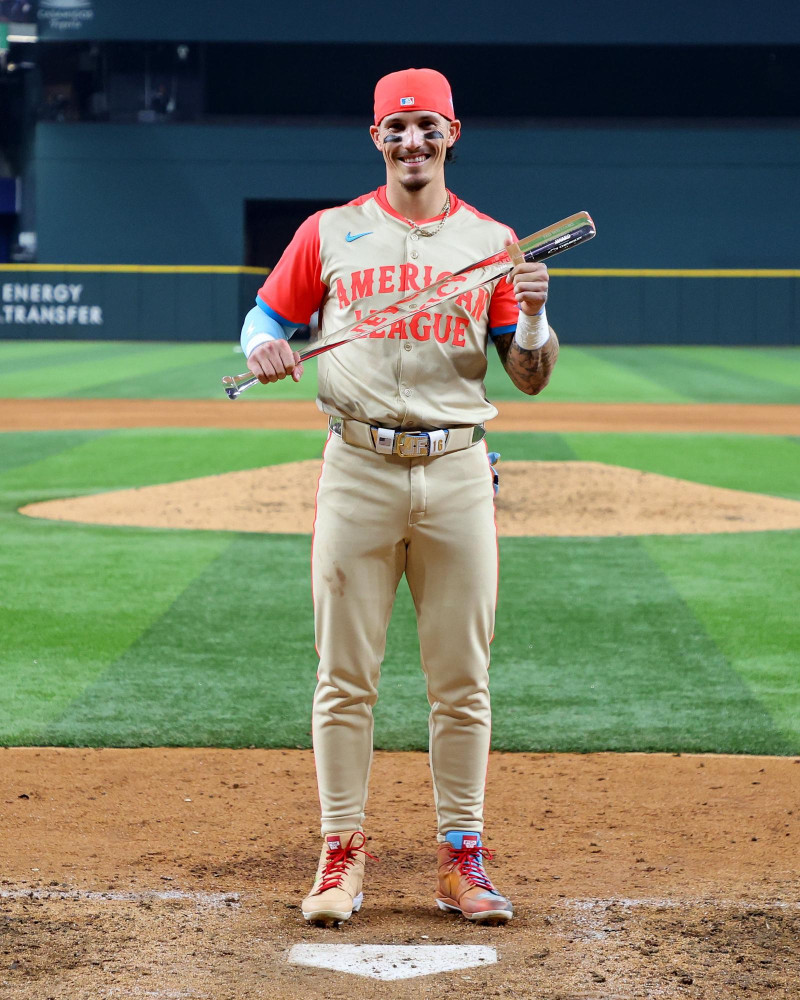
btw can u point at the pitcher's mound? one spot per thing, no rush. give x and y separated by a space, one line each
536 498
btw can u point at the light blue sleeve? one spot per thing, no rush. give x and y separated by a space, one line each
261 326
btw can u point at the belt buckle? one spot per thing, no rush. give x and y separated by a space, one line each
411 445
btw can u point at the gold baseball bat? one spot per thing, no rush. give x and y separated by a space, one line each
541 245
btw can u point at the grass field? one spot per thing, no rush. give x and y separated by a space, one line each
127 637
136 369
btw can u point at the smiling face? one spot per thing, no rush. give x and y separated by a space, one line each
414 145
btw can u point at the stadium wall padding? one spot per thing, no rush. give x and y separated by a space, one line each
208 305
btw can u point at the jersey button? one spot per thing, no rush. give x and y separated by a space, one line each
407 392
407 346
414 254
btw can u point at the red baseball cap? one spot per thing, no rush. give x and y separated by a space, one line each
413 90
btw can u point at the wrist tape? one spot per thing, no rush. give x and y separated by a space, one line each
532 331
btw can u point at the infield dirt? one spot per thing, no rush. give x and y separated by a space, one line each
633 876
545 499
691 418
178 873
537 498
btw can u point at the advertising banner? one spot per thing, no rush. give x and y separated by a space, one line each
86 302
65 19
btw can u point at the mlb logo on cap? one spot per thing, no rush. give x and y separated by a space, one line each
423 89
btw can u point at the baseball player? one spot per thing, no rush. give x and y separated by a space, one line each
405 485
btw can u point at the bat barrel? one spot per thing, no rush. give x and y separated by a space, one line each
555 239
561 243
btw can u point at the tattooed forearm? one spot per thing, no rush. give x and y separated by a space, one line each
528 370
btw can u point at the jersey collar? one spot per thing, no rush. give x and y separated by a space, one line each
380 197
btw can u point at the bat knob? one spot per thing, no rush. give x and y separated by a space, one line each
235 385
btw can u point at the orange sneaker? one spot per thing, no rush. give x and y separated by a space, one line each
464 886
336 893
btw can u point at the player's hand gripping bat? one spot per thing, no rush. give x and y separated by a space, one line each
539 246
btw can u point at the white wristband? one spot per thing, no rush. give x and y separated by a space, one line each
532 331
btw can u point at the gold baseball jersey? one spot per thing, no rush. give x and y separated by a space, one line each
422 373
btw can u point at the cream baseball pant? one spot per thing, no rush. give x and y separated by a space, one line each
379 516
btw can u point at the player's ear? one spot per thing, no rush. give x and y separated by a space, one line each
375 133
454 132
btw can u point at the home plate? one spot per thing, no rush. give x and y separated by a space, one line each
392 961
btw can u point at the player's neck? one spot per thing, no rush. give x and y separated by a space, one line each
426 203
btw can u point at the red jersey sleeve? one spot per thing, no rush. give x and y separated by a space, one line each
294 289
503 308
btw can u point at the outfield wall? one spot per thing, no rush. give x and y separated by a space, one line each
587 306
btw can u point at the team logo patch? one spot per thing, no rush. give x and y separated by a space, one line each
469 843
405 101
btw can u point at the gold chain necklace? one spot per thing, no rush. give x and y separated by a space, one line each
415 229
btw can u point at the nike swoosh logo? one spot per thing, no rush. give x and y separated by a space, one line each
351 239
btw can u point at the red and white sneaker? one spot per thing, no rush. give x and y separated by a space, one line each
464 886
336 893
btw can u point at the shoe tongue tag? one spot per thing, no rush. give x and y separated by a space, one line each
470 842
334 842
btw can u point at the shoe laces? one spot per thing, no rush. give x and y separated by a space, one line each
339 860
469 861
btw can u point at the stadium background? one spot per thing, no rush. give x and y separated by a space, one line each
156 158
201 134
